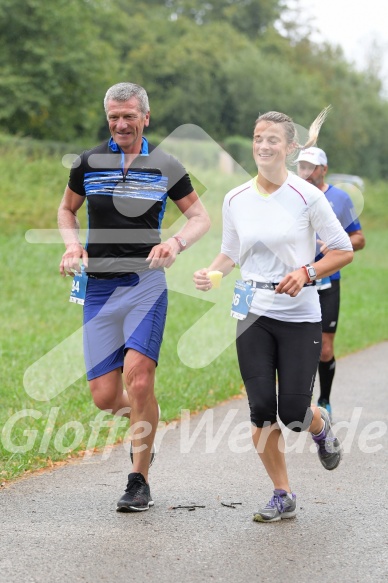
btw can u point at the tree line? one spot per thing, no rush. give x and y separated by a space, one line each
217 64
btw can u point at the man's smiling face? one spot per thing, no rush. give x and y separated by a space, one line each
126 124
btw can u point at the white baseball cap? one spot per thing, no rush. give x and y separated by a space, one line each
313 155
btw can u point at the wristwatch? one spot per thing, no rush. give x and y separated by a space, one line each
311 273
181 242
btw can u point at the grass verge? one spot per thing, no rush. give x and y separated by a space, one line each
198 365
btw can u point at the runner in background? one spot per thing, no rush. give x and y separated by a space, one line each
312 166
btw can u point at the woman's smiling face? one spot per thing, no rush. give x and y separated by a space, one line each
270 146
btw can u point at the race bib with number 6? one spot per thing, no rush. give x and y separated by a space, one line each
242 299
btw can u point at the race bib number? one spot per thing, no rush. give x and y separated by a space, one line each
242 300
324 283
78 288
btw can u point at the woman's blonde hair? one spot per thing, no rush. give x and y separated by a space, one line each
290 129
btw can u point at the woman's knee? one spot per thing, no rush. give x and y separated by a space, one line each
296 418
262 412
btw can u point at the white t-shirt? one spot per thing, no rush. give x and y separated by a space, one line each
270 236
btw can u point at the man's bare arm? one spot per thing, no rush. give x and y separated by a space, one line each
198 223
69 228
357 240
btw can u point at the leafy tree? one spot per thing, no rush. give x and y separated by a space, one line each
251 17
185 75
52 66
217 64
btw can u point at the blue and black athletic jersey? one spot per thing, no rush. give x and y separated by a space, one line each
343 207
125 209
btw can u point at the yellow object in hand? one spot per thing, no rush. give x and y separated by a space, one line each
215 277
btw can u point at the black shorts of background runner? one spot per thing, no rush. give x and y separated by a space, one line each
272 350
330 306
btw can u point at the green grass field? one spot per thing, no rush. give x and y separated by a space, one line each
198 366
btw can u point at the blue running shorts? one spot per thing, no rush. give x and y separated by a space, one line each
121 313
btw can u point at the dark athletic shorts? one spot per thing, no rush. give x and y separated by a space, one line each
270 353
122 313
330 306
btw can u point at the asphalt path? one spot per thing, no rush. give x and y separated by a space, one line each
61 525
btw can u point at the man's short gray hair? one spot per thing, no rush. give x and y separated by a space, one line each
124 92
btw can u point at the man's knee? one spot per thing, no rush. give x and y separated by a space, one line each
139 386
107 390
139 380
327 351
104 394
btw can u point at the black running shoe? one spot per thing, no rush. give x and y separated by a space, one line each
137 495
328 446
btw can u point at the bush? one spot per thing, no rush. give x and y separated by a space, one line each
241 151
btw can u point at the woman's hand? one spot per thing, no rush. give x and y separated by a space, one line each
292 283
221 263
201 280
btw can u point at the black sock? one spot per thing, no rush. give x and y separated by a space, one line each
326 375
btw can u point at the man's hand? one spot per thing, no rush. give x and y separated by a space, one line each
71 259
164 254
